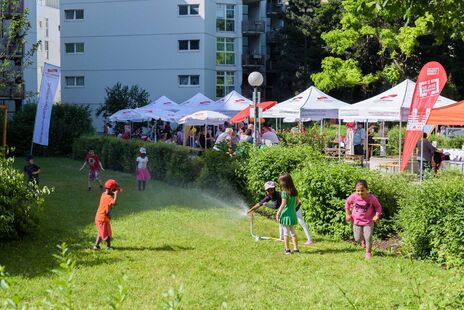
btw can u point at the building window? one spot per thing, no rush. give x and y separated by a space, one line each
225 17
225 82
74 48
73 14
189 80
189 45
46 27
225 51
47 51
189 9
74 81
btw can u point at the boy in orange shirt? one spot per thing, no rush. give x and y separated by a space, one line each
103 217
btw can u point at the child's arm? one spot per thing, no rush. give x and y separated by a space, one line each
282 205
83 166
255 207
378 209
348 205
115 198
101 166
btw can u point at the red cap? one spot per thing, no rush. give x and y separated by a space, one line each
112 184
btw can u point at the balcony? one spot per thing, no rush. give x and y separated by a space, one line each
253 27
273 37
13 92
273 9
252 60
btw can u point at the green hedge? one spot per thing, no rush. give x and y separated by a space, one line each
20 202
67 123
324 186
432 220
168 162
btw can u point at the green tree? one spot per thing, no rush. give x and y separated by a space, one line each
14 25
379 42
302 46
121 97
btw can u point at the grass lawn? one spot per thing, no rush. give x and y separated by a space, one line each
168 236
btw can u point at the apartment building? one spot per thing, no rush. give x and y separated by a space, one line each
44 16
174 48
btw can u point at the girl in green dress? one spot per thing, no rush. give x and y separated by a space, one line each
286 215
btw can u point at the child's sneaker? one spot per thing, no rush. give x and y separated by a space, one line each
309 242
96 247
287 252
368 255
363 243
89 188
296 251
108 248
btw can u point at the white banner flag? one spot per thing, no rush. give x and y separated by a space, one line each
50 80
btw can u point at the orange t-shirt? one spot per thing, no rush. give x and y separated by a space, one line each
106 203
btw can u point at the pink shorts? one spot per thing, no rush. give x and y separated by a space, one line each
143 174
104 230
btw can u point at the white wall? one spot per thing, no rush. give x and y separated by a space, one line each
136 43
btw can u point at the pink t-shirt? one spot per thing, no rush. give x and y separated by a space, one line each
363 210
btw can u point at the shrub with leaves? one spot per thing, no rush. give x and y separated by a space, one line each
431 220
20 202
324 186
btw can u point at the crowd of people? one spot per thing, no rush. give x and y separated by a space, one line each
196 136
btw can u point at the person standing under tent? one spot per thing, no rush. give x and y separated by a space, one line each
348 141
426 156
358 139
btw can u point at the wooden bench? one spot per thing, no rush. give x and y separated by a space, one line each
390 166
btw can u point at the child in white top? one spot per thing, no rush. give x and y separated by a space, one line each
143 173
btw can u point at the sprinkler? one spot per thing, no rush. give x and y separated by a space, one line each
256 237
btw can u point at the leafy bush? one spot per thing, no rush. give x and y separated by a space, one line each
431 220
324 186
269 163
20 202
67 122
168 162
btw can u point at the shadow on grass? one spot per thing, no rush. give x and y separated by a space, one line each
165 247
331 251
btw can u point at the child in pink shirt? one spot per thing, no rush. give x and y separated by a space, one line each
366 210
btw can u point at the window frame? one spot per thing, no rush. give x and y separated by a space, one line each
225 51
189 76
74 15
189 45
225 19
226 87
74 48
75 79
189 9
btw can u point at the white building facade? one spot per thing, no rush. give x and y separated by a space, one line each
44 16
174 48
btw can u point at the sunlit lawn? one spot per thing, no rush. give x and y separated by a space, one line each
168 236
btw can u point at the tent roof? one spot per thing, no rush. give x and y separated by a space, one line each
452 114
198 102
233 102
204 118
391 105
125 115
163 103
312 104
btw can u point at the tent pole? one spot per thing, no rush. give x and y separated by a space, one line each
366 145
421 160
339 139
399 143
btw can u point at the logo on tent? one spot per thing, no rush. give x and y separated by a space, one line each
388 97
297 98
239 100
167 102
205 102
322 98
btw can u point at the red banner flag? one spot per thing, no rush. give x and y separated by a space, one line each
432 78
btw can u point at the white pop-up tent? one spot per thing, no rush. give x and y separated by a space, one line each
198 102
233 103
391 105
312 104
128 115
162 103
156 114
201 118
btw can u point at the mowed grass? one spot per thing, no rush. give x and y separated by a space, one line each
168 236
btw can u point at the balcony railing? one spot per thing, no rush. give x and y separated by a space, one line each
253 26
273 36
252 60
273 8
13 92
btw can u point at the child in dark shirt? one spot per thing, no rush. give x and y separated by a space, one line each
31 170
273 200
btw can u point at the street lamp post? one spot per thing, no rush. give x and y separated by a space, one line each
255 79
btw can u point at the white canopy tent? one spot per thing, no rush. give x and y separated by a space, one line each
391 105
162 103
201 118
156 114
233 103
312 104
128 115
199 102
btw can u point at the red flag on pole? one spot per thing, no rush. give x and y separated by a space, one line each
432 78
